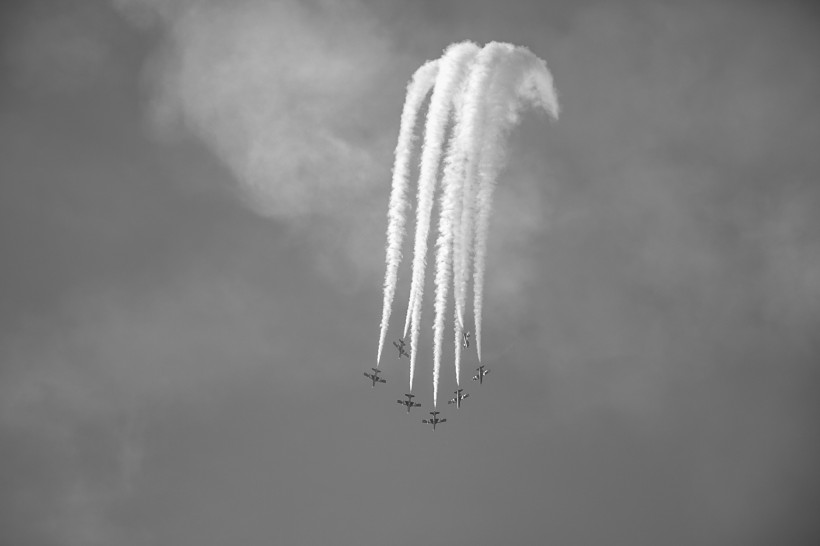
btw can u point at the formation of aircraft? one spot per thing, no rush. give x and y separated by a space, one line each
480 373
434 420
402 351
374 377
409 402
458 398
459 394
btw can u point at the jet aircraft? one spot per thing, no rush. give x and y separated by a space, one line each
480 373
409 402
465 337
434 420
402 350
458 398
374 377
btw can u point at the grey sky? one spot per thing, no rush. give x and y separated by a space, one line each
193 200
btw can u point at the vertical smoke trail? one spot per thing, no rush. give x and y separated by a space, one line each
417 90
458 267
453 170
462 236
524 80
452 68
409 314
476 107
484 206
454 229
462 246
458 330
486 89
457 166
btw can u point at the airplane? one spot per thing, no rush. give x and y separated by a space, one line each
409 402
374 377
400 347
433 420
458 398
480 373
466 339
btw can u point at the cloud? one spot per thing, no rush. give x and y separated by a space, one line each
276 90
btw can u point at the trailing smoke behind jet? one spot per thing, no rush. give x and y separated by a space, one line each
482 91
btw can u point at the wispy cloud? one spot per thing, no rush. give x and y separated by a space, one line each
275 89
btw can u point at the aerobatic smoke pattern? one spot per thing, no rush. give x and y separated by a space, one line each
527 80
486 90
451 73
459 166
417 89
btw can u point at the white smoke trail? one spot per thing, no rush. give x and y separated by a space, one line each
525 79
455 227
486 89
457 165
459 268
452 70
462 249
417 90
476 107
458 330
453 169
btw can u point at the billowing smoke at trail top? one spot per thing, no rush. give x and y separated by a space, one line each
482 90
